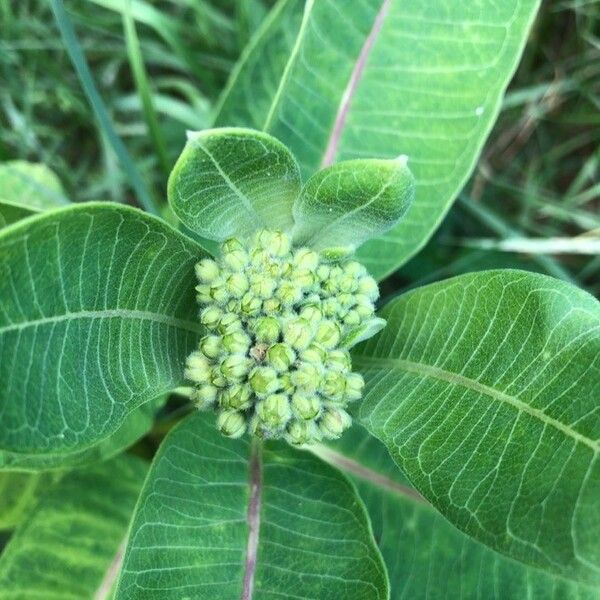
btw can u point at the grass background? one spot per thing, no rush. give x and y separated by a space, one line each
159 67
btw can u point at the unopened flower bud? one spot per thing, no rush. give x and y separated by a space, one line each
314 354
237 284
271 306
219 293
307 378
231 423
235 367
297 333
267 330
237 397
347 284
275 243
211 316
263 286
301 432
333 386
205 395
354 387
354 269
203 294
210 345
263 381
311 313
306 259
334 422
306 406
207 270
198 368
338 360
323 272
280 357
330 307
328 334
352 318
236 342
303 278
231 245
237 260
250 305
274 411
289 293
368 287
229 322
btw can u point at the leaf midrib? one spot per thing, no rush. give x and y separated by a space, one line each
113 313
476 386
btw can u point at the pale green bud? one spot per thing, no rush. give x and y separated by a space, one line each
235 367
263 381
305 406
263 286
236 342
314 354
334 386
198 369
237 284
352 317
231 245
297 333
207 270
306 378
338 360
328 334
368 287
217 379
281 357
311 313
301 432
267 330
334 422
211 316
285 382
205 395
289 293
303 278
364 306
203 294
236 260
354 387
211 345
250 304
275 243
347 284
274 411
231 423
305 258
330 307
354 269
237 397
228 323
271 306
346 301
219 293
323 272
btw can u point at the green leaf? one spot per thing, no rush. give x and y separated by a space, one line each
484 388
346 204
18 493
135 425
71 543
376 78
230 182
425 555
27 188
97 316
218 518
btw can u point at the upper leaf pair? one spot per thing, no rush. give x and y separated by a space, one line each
231 182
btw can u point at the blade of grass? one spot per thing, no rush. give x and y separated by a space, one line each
83 72
140 76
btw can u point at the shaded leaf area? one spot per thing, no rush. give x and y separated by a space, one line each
348 203
484 388
376 78
231 182
306 534
20 491
69 547
97 316
135 425
27 188
426 557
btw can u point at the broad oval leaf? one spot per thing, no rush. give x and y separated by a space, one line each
219 519
425 555
97 316
231 182
377 78
353 201
71 544
27 188
484 388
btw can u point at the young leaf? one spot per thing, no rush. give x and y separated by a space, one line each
71 544
97 316
346 204
218 518
484 388
377 79
230 182
27 188
425 555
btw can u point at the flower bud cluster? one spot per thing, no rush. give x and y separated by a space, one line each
273 362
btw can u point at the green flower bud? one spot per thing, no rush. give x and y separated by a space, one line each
328 334
235 367
311 313
229 322
301 432
347 283
274 411
323 272
303 278
236 342
211 316
330 307
286 384
289 293
271 306
334 386
231 245
368 287
306 259
281 357
217 379
307 378
263 381
219 293
250 304
267 330
275 243
262 286
231 423
198 368
210 345
346 301
205 395
334 422
237 284
207 270
354 387
237 397
338 360
364 306
354 269
352 318
314 354
236 260
297 333
203 294
305 406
